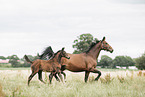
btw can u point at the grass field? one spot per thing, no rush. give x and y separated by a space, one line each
113 83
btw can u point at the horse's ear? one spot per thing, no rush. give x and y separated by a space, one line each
103 39
63 49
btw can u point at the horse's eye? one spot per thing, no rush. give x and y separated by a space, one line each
106 43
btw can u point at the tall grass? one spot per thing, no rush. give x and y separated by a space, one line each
117 84
1 92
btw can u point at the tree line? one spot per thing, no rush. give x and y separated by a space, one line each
15 61
121 61
81 44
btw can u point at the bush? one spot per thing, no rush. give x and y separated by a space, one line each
140 62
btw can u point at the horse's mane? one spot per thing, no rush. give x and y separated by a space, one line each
47 52
92 45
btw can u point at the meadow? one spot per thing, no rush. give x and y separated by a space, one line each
113 83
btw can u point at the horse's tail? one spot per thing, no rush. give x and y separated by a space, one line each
27 59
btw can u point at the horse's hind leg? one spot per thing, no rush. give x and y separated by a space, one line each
86 75
40 76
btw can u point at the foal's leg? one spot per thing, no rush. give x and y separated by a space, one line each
40 76
50 77
94 70
64 75
86 75
56 77
60 76
31 76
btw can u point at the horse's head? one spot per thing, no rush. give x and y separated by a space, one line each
64 54
106 46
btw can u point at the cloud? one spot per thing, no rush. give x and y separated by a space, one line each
29 26
129 1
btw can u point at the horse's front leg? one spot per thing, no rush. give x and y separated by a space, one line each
94 70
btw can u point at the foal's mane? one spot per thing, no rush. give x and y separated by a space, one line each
59 58
55 54
92 45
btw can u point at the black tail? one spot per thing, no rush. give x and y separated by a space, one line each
27 59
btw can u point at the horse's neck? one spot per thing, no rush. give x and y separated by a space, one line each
95 51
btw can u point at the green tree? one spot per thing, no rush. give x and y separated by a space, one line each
129 61
140 62
123 61
32 58
2 57
105 61
13 57
14 60
82 43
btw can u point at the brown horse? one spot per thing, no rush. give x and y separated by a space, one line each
52 65
86 61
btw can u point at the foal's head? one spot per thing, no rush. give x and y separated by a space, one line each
106 46
63 54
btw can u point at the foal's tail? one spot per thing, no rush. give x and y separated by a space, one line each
27 59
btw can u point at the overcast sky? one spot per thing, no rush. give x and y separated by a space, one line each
28 26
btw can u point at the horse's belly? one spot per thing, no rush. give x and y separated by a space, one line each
75 68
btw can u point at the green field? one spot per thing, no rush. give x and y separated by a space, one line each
113 83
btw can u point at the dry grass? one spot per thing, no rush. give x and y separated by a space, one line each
1 92
111 84
107 79
139 73
121 79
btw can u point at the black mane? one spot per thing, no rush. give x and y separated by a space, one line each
92 45
48 52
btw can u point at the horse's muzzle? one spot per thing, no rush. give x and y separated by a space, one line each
111 51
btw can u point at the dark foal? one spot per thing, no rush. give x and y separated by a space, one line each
53 65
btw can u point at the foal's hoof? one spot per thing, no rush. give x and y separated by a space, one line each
65 81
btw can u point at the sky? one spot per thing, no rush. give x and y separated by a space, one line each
29 26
